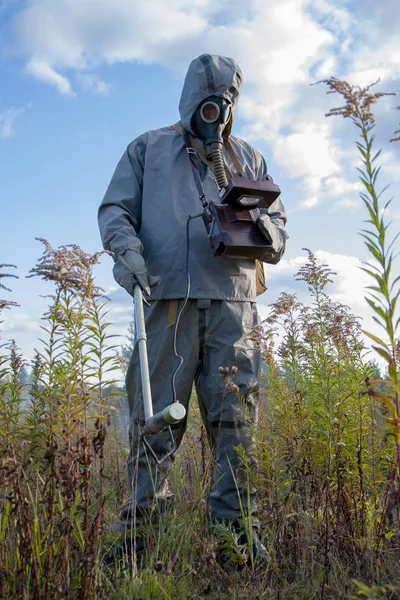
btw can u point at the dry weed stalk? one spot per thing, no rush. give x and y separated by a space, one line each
60 436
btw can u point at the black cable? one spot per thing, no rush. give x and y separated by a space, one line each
185 301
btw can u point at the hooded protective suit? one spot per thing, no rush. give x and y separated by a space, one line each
145 210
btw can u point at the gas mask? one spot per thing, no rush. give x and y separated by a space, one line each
211 118
209 121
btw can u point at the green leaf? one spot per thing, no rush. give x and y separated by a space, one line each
374 338
374 217
383 190
369 238
394 302
376 155
376 268
384 287
371 274
386 401
388 203
375 175
393 374
380 311
389 248
381 301
374 251
365 233
381 234
383 325
383 353
362 150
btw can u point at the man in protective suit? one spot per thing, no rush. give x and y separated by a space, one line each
143 221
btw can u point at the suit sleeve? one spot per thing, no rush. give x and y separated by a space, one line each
120 212
276 213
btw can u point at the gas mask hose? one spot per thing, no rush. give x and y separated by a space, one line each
218 164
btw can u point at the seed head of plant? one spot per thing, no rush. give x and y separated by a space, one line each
286 308
69 266
396 137
315 275
6 303
37 365
16 359
358 100
343 327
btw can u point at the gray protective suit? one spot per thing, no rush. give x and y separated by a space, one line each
145 209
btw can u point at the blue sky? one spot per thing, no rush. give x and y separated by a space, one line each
79 79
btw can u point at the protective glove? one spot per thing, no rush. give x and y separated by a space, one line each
270 232
130 269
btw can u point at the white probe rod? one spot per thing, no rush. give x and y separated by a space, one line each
141 339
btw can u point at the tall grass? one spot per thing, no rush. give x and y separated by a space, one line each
52 446
327 442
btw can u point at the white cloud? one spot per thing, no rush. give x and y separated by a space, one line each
338 186
275 42
334 14
309 153
46 73
74 34
7 120
285 266
364 77
344 194
20 327
378 52
281 45
326 68
93 83
349 203
350 281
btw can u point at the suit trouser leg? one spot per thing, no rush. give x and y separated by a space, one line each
225 335
148 481
231 339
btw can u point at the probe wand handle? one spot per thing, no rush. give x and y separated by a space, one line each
175 412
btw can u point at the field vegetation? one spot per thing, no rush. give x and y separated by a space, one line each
328 443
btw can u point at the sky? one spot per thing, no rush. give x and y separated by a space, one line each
80 79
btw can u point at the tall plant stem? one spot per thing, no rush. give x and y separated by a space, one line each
384 292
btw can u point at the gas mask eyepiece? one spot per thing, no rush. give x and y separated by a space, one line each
210 113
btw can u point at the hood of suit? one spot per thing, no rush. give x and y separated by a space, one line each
209 75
